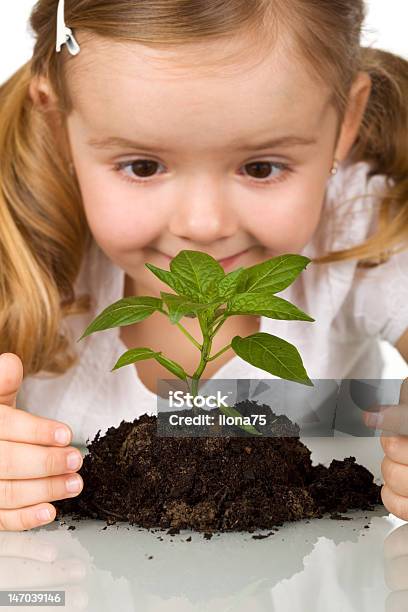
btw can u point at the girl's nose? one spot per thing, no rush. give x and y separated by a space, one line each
203 213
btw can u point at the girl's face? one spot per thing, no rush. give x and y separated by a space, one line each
172 158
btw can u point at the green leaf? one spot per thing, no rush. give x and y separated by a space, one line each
124 312
199 270
272 275
213 291
172 280
133 355
180 306
268 306
272 354
229 411
227 287
138 354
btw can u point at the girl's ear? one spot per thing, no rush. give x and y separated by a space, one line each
358 99
45 100
40 93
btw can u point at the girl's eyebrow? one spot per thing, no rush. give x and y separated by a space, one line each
112 142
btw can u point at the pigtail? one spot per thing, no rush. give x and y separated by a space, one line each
43 234
383 143
383 139
383 136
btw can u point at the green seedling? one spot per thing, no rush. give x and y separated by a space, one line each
203 290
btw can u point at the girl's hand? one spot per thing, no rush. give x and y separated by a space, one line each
33 470
394 468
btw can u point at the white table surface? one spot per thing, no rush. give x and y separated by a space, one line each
321 565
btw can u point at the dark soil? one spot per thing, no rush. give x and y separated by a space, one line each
212 483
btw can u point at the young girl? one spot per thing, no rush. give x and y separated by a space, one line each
245 130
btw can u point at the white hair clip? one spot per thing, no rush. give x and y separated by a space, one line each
64 34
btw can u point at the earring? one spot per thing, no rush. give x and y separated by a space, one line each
335 167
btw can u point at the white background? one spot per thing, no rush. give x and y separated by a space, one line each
385 27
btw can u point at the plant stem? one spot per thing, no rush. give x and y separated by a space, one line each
219 352
189 336
205 351
218 318
185 332
221 322
187 383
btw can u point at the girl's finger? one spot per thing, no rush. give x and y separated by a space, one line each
26 518
395 477
21 493
391 418
396 448
20 426
19 461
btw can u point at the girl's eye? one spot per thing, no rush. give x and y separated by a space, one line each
140 170
262 170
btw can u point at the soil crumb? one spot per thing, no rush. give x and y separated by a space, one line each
262 536
339 517
213 484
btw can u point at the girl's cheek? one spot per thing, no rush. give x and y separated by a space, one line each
117 229
290 211
113 219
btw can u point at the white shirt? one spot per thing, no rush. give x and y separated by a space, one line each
353 308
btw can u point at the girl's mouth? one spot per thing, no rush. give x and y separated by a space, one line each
228 262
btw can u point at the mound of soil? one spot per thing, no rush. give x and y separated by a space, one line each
212 483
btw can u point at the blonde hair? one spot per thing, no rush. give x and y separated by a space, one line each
43 230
